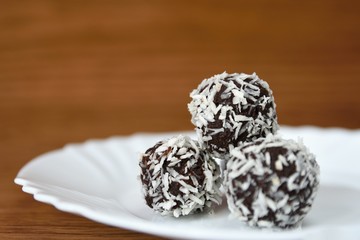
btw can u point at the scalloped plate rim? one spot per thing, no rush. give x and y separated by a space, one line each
145 226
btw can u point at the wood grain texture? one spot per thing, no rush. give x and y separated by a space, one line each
74 70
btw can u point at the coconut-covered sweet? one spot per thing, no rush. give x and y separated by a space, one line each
229 109
179 178
271 182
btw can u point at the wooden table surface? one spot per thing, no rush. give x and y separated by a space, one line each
74 70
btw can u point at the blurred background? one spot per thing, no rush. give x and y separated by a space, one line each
74 70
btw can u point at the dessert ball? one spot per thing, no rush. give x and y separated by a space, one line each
228 109
271 182
178 178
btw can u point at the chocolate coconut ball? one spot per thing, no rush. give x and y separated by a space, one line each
178 178
271 182
229 109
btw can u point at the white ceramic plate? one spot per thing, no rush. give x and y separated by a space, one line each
98 180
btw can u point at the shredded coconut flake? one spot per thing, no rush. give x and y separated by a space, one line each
231 100
267 189
169 183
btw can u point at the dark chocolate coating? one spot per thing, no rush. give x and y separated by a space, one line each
174 178
278 189
247 119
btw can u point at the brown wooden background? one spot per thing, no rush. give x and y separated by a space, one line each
74 70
